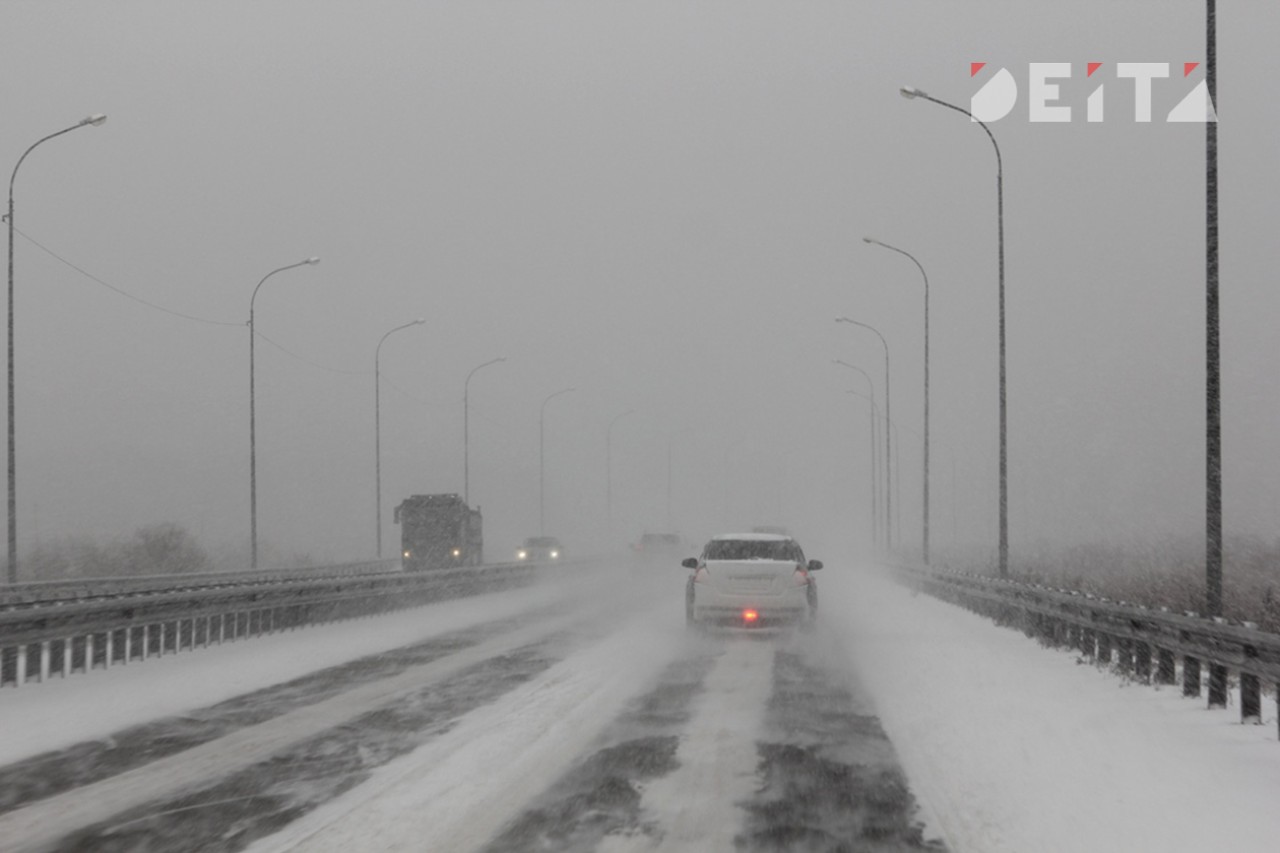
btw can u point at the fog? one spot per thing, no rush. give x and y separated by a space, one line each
659 205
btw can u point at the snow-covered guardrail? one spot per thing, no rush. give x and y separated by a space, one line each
1145 644
79 634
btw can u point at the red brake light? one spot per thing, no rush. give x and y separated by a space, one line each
801 577
750 616
700 576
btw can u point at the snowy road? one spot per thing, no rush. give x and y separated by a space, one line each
581 717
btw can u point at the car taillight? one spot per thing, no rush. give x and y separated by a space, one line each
801 577
750 617
701 576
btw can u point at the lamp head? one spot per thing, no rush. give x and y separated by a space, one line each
419 321
312 260
95 119
910 92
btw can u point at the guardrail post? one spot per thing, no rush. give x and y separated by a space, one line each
1217 685
1124 655
1088 646
1166 667
33 661
1250 699
44 661
1104 648
1142 661
20 666
1190 676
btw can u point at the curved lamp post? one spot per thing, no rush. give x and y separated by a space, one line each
888 444
94 120
377 428
911 92
924 532
874 414
542 466
466 430
253 434
608 466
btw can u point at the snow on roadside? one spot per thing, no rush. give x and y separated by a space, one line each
1014 747
60 712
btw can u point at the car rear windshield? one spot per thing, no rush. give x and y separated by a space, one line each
753 549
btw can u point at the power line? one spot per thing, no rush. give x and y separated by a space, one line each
115 289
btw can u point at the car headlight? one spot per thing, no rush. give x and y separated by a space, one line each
407 555
555 554
520 555
457 552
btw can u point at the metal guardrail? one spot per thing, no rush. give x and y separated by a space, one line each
1145 644
39 593
104 630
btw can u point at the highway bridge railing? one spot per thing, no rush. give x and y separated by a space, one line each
35 593
104 628
1142 643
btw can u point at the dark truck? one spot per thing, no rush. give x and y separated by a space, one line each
439 532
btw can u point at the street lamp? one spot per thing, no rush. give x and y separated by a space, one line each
888 444
466 430
608 466
253 434
924 535
874 414
94 120
911 92
542 467
377 428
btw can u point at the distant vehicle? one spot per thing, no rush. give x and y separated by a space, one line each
751 580
659 545
439 531
540 549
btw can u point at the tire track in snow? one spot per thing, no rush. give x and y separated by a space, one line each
829 778
151 788
84 763
696 808
600 795
456 792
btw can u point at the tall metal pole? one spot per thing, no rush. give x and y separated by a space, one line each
1213 400
924 532
542 467
875 414
377 429
466 430
608 466
253 433
888 444
94 120
909 92
1213 388
872 414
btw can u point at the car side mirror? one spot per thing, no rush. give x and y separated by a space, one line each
814 565
690 563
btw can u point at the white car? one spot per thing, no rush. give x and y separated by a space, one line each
751 580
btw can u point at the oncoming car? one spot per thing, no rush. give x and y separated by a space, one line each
751 580
540 549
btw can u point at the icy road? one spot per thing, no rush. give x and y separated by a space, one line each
580 715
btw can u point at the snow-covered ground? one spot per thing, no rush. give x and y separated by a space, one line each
1015 747
1008 746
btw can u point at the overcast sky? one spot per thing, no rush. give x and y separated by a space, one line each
658 204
